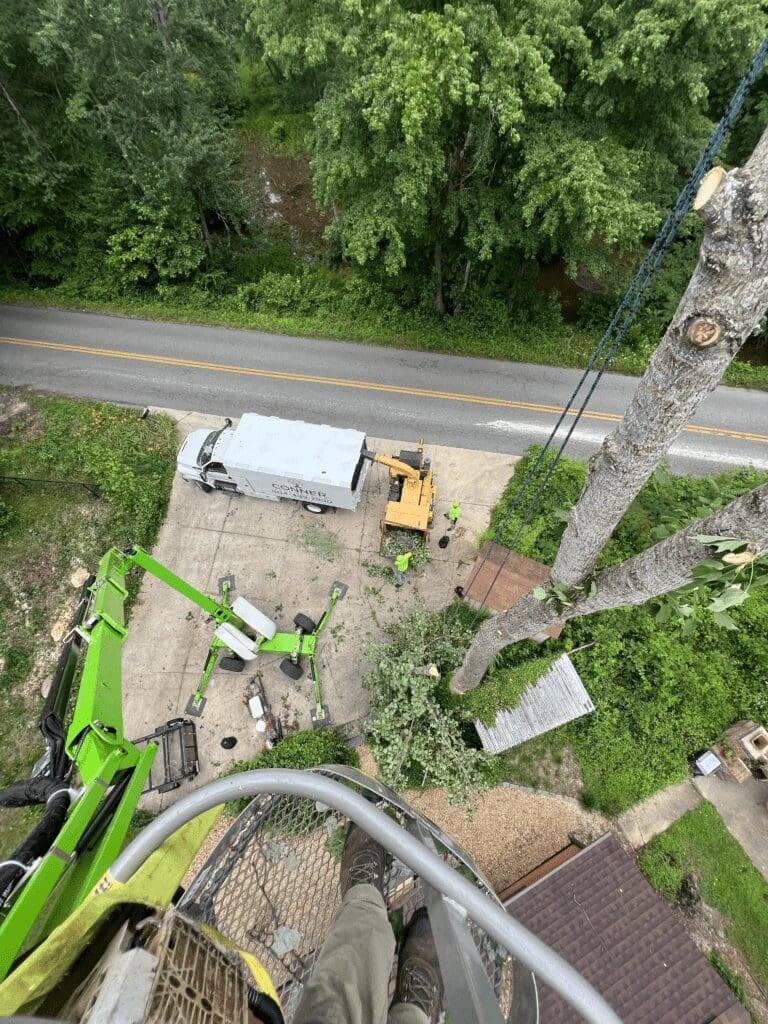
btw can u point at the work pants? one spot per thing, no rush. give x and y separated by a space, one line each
350 981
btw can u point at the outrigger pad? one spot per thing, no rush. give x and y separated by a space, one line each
230 579
339 587
320 721
195 709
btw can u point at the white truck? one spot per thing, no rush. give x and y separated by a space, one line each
268 457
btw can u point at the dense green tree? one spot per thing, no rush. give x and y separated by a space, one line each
448 136
116 129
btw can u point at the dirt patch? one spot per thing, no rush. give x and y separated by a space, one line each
542 764
280 188
707 928
508 831
11 410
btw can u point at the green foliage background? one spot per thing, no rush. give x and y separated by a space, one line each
469 160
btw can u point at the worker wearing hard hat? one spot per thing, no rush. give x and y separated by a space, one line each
350 981
402 563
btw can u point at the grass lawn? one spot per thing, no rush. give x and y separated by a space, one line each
49 530
700 843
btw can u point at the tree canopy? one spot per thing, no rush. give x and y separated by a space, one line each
114 126
456 148
453 136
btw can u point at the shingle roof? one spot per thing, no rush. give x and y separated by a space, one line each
599 912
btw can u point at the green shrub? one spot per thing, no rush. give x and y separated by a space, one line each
309 748
501 689
306 749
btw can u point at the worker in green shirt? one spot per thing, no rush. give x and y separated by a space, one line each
452 515
401 567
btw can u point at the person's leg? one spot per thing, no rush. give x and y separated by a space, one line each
419 987
399 577
350 981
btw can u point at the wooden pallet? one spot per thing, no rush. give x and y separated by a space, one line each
500 577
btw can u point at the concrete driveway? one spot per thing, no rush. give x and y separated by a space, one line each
284 561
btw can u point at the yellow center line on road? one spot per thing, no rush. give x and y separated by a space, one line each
343 382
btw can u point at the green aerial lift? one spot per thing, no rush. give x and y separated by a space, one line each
91 777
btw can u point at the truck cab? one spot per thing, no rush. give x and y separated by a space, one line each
200 458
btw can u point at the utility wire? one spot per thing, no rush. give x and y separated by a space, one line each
627 310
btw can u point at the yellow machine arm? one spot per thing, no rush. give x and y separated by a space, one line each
398 467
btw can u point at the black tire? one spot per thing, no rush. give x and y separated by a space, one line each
231 663
204 487
315 508
291 669
304 623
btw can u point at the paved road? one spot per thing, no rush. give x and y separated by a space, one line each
471 403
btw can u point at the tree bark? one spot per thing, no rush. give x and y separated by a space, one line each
665 567
438 264
723 305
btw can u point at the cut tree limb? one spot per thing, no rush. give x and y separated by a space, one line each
723 305
660 569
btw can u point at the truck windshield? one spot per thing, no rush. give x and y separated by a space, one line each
208 445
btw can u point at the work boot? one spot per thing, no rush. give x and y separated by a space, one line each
418 971
363 861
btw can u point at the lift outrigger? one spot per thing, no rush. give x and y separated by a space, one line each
245 632
91 777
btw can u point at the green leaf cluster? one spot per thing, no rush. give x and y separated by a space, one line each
415 738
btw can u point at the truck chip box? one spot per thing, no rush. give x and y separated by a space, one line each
268 457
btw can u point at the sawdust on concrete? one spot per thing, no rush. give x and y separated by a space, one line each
509 830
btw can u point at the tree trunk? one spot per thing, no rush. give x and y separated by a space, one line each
665 567
206 234
22 120
438 264
723 305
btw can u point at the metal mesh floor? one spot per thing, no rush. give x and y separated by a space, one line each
271 887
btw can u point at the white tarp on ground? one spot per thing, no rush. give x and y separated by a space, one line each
558 697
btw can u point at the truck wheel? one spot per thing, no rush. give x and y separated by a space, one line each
206 488
231 663
305 623
314 508
292 669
